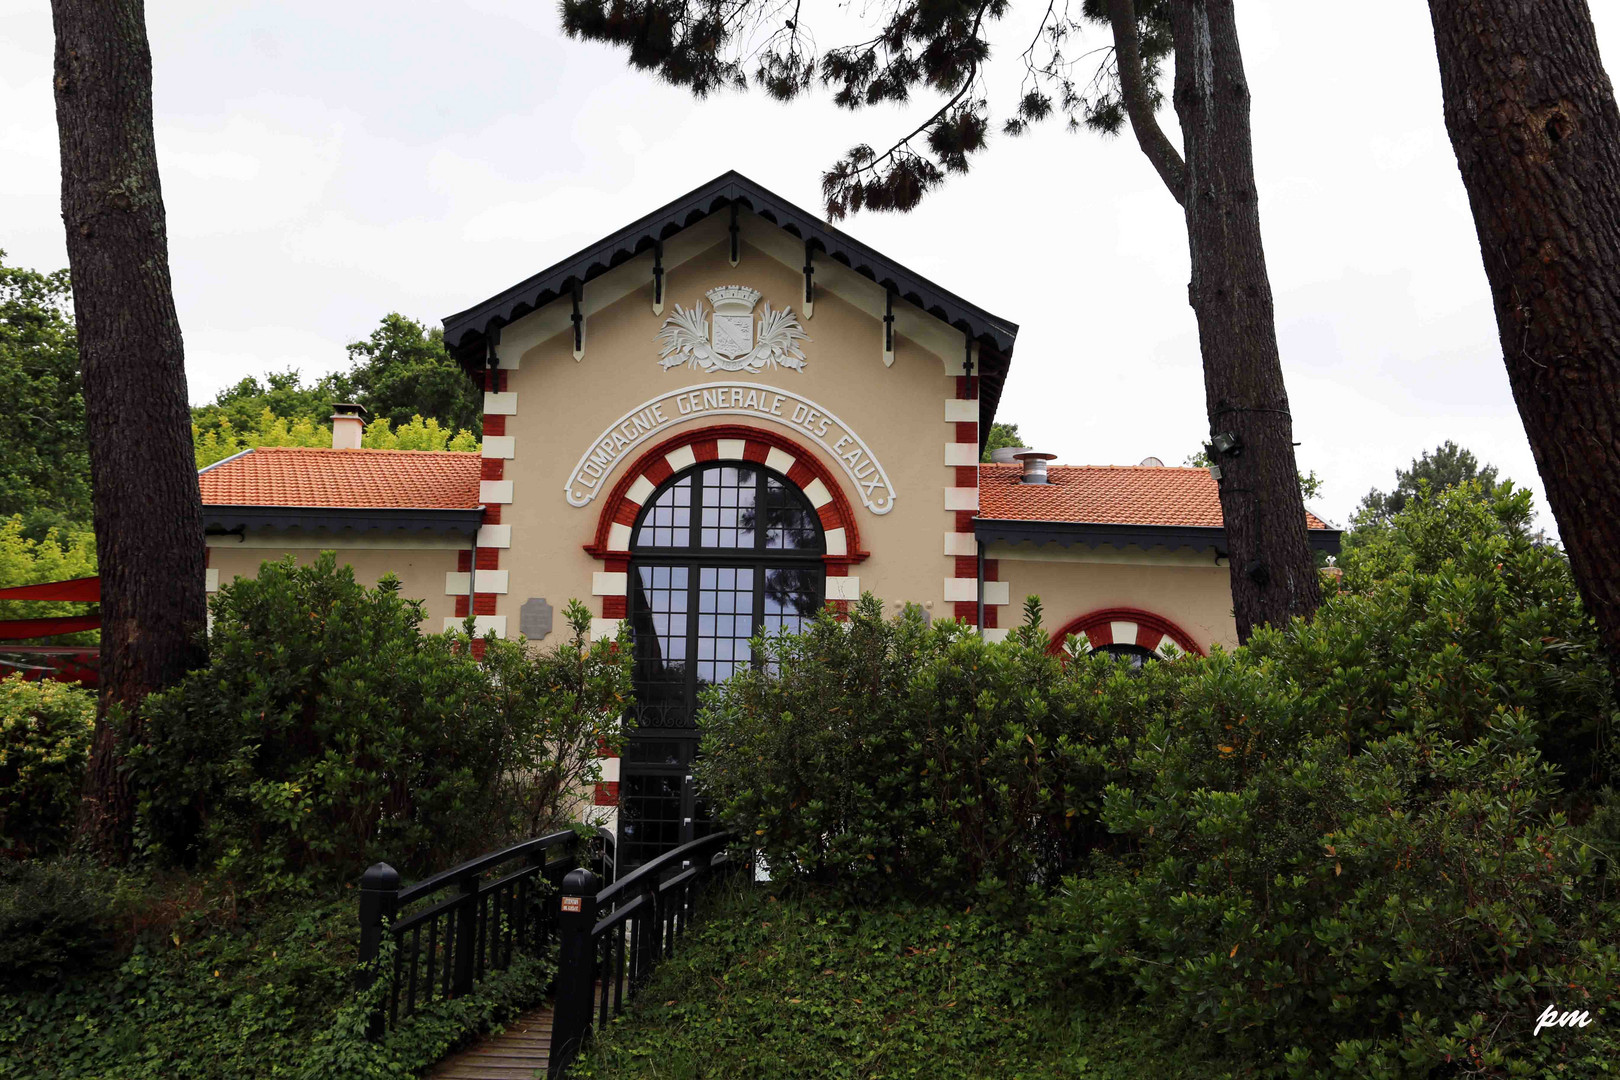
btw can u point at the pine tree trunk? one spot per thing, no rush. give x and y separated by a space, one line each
1533 122
1274 574
148 513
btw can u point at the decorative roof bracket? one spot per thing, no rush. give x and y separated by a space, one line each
658 277
578 318
888 328
809 279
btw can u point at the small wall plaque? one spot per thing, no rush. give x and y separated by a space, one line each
534 618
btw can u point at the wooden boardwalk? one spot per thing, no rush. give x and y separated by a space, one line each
521 1052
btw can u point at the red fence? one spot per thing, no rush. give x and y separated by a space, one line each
65 663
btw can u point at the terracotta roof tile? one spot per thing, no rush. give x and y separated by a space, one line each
1107 495
307 476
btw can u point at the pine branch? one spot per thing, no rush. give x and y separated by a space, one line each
1138 103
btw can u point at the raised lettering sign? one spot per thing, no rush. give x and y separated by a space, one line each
803 417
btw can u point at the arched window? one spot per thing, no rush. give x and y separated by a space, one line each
1134 655
1126 634
718 554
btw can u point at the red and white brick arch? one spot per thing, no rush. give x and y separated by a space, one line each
1127 626
721 443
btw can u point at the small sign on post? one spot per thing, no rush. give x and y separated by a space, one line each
570 903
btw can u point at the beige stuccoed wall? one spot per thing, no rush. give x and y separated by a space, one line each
1186 588
421 570
564 406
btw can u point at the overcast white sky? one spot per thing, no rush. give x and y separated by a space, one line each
325 163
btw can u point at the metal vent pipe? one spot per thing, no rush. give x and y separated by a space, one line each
1034 462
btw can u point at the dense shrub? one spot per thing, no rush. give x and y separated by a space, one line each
1384 911
1447 612
45 730
56 917
888 755
1346 842
219 996
326 732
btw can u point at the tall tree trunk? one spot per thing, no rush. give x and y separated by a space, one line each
1274 574
148 513
1532 119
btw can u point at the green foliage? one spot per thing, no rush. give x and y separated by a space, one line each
44 458
416 396
1446 613
1345 844
417 434
1447 466
1001 437
272 430
1379 913
56 918
282 395
267 429
892 756
45 730
326 732
801 986
216 997
402 370
55 556
1310 485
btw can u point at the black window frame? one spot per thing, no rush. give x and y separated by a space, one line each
695 557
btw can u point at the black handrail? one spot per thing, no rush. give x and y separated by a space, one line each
610 938
442 949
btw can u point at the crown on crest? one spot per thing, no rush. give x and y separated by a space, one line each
733 298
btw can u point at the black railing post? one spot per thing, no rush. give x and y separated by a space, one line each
576 968
461 979
648 931
379 901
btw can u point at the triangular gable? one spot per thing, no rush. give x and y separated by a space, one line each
468 334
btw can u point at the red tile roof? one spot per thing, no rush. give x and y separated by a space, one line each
306 476
1107 495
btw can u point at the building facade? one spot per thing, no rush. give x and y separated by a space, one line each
716 421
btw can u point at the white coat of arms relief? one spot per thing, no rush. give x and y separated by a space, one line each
724 339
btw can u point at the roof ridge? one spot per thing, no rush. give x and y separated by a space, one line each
1153 468
352 450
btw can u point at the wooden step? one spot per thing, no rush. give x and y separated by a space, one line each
521 1052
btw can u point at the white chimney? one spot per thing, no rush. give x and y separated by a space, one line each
348 424
1006 455
1034 466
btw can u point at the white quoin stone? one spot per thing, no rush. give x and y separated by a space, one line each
482 624
843 588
